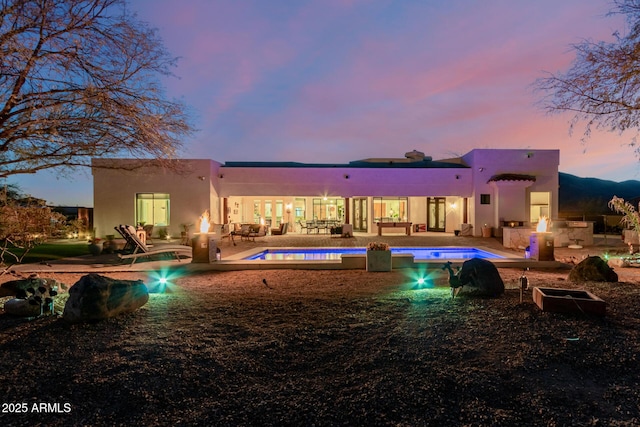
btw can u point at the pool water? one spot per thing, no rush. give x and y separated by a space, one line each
324 254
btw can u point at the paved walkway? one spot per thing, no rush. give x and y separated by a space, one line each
111 263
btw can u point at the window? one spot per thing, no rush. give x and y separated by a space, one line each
152 208
279 212
257 206
326 208
539 205
485 199
300 211
268 213
390 209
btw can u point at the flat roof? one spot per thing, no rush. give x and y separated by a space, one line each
390 163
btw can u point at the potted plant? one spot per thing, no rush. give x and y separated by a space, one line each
163 233
378 257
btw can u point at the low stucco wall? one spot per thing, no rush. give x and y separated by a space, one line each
574 233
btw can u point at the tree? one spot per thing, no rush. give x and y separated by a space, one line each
81 79
25 222
602 86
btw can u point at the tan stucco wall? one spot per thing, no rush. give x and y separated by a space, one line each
191 193
543 164
343 182
207 183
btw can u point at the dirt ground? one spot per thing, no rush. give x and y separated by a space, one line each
329 348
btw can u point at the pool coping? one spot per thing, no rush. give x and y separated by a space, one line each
358 261
241 256
235 263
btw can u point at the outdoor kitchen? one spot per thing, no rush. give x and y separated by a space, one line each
571 234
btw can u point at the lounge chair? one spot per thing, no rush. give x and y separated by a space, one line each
280 230
129 243
135 248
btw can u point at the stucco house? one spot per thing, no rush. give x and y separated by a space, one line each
483 187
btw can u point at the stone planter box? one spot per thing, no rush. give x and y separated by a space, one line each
378 260
568 301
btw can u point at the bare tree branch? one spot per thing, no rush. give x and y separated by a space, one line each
602 87
81 79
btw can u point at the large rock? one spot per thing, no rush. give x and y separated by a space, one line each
34 296
18 288
592 269
618 262
95 297
480 277
22 307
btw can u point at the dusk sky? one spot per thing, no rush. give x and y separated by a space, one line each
331 81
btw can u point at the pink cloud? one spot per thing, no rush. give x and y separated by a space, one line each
450 78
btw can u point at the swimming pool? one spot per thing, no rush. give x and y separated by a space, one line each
326 254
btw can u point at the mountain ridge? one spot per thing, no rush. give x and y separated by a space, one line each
593 194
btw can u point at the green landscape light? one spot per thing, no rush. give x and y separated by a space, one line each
161 281
420 279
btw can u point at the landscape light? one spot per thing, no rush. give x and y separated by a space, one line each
161 281
423 282
420 279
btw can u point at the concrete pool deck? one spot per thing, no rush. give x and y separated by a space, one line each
231 254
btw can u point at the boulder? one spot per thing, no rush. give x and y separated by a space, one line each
618 262
480 277
95 297
18 288
22 307
34 296
592 269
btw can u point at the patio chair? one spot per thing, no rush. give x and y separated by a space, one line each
322 225
148 229
335 230
227 233
134 248
311 225
280 230
253 231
